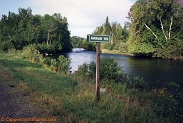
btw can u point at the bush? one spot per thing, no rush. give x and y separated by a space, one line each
30 51
135 82
44 48
12 51
59 65
63 64
109 70
6 45
47 61
83 70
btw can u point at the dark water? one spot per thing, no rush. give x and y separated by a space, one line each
154 71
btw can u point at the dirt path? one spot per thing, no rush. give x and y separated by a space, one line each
12 103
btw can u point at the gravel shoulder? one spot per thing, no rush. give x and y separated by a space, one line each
13 104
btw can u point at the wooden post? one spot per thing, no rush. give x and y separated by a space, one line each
97 71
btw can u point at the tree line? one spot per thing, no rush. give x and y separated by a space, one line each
80 42
49 33
154 29
119 35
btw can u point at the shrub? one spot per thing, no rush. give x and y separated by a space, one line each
30 52
44 48
47 61
109 70
83 70
135 82
12 51
63 64
6 45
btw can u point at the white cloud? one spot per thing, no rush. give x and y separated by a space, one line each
85 15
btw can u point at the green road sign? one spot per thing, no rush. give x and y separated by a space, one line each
98 38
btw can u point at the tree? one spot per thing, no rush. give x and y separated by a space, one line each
49 32
154 24
107 27
118 34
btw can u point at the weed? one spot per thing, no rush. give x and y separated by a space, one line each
72 99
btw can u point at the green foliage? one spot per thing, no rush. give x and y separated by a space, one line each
171 50
83 70
5 45
107 27
63 64
141 49
73 100
122 47
44 48
119 36
82 43
156 26
135 82
30 52
47 61
49 32
110 71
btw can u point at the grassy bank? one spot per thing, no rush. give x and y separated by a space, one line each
71 98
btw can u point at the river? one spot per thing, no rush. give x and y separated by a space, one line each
154 71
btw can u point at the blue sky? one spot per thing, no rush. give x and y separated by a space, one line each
83 15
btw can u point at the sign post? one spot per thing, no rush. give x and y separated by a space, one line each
97 71
98 39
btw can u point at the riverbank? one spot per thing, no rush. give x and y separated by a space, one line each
115 52
71 98
128 54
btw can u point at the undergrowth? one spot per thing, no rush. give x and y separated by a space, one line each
71 97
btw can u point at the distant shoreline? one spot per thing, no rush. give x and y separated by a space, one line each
126 54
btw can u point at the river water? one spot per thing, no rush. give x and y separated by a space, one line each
154 71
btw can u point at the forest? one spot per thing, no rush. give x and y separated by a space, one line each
154 29
49 33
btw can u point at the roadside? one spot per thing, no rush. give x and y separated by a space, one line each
13 104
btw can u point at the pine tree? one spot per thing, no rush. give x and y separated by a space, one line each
107 27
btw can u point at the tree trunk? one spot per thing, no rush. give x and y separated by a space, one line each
48 37
171 22
163 29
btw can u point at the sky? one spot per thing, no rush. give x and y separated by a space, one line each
180 2
83 15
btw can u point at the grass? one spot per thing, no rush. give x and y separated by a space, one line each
72 99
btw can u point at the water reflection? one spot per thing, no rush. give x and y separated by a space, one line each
155 71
